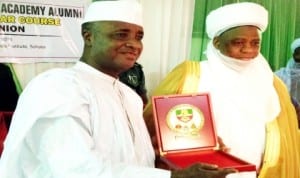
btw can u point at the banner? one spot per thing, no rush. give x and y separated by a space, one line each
41 31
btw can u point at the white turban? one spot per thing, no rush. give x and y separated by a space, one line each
234 15
295 44
129 11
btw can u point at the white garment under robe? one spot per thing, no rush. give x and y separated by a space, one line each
244 100
291 77
71 123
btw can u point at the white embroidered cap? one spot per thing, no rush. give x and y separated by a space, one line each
129 11
295 44
234 15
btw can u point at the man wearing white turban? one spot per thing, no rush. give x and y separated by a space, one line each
255 119
82 122
290 74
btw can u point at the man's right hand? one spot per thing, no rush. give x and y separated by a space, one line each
201 170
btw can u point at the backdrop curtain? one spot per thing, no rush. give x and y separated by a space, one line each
167 41
24 72
284 27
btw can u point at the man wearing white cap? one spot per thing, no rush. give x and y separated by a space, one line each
254 116
291 75
82 122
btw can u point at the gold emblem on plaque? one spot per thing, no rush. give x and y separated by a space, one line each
185 119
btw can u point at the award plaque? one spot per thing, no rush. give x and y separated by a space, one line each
186 133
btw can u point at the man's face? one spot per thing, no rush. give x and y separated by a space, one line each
296 55
109 51
241 43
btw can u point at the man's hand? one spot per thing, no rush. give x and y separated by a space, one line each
201 170
222 145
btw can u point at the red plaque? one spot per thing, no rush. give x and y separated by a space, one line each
186 133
